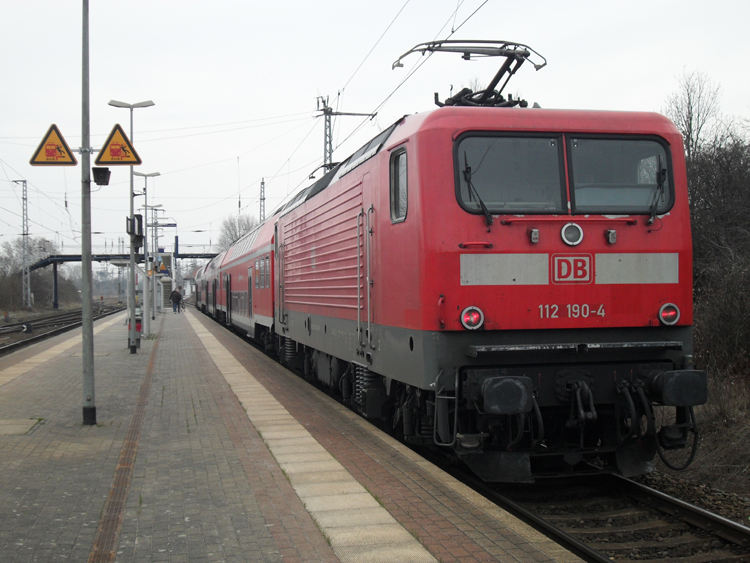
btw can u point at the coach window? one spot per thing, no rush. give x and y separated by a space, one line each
257 275
268 274
399 186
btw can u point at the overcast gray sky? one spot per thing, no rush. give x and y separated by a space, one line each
235 86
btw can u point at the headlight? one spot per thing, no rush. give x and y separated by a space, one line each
572 234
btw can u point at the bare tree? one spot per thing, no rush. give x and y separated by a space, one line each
233 227
694 108
11 263
11 257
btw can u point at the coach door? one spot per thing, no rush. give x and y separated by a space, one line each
228 294
365 229
250 292
281 301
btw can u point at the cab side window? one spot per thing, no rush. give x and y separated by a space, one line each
399 185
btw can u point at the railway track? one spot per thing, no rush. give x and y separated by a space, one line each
609 518
14 336
605 518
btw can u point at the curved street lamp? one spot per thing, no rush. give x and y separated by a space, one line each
131 285
147 300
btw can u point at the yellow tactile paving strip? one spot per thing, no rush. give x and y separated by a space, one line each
540 541
357 527
20 368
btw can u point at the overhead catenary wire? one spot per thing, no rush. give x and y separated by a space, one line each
152 131
37 190
414 68
298 121
340 93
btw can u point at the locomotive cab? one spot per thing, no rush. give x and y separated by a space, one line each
559 253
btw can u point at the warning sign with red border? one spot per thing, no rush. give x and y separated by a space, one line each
53 150
117 150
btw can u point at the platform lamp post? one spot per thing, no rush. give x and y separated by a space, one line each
131 285
147 281
154 251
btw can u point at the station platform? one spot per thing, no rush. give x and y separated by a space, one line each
207 450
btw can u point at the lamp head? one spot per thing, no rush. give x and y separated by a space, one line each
118 104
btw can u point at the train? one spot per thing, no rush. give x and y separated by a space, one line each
508 285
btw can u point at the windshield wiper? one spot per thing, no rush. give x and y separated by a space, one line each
661 175
467 177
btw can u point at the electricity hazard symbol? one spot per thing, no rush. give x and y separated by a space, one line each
117 150
53 150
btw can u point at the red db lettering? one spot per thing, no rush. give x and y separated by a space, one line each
580 269
571 268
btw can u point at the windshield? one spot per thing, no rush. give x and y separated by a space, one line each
619 176
503 174
509 174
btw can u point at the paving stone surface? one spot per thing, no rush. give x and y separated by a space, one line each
447 518
196 479
203 486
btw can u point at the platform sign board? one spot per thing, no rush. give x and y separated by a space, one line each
117 150
53 150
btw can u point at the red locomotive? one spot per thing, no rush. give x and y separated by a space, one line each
510 285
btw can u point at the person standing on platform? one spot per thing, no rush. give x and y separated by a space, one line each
176 298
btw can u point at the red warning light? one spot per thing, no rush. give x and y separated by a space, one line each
472 318
669 314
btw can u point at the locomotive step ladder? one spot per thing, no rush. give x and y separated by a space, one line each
443 397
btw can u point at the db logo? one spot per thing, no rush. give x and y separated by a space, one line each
571 268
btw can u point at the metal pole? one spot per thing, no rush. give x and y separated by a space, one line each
87 313
146 281
55 303
131 285
262 199
154 251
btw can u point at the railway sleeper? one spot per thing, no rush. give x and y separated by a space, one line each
625 516
592 504
627 531
718 556
687 540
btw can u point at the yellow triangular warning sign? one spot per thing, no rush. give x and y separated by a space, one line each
53 151
117 150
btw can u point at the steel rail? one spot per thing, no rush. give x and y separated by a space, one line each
39 320
694 515
541 525
54 332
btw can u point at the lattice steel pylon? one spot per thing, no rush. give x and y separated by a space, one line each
262 199
26 251
327 112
